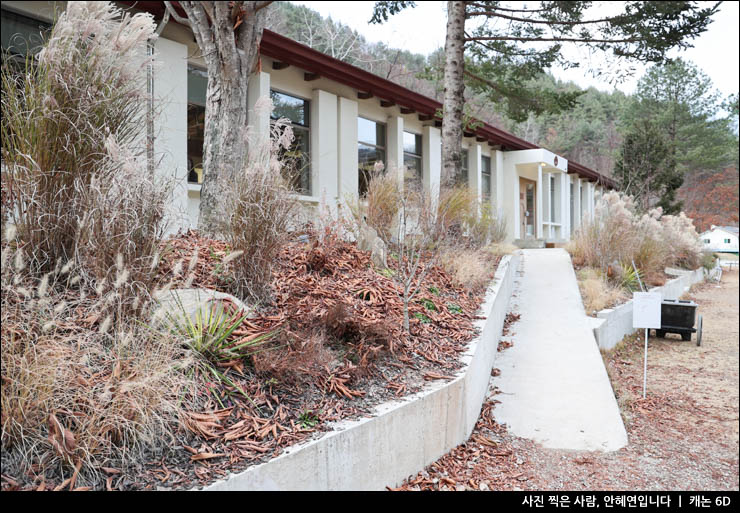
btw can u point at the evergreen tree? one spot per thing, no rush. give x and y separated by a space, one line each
643 167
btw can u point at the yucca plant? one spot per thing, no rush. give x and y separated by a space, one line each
631 278
209 334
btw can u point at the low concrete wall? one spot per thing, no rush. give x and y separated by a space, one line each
617 322
403 436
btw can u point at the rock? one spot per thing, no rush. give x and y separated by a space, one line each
366 237
176 301
378 254
368 240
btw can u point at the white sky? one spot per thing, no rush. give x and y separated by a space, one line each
422 30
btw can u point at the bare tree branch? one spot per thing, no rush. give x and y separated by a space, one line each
172 12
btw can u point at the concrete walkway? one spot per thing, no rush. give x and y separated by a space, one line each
554 387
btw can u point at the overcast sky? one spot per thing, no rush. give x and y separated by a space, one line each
422 30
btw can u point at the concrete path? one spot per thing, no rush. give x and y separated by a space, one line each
554 387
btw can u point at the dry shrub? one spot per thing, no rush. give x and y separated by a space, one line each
597 292
682 241
58 115
619 236
303 359
468 267
263 209
487 228
80 388
499 249
457 208
380 206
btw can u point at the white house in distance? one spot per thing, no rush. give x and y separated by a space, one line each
720 239
345 119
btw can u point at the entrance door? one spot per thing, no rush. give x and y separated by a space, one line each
527 211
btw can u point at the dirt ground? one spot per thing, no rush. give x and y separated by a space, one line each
683 436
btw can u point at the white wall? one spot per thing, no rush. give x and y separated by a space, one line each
717 239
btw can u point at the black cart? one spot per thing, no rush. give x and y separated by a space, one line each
678 316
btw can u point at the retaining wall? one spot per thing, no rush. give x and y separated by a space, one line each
613 324
403 436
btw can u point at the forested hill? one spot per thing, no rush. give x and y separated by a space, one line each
588 134
604 131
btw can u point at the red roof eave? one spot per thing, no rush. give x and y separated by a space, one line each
286 50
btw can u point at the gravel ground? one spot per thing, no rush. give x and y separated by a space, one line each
683 436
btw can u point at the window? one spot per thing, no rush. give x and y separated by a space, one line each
485 177
412 158
707 241
197 83
296 161
22 35
552 198
727 241
371 148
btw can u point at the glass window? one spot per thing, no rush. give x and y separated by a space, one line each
727 241
412 158
286 106
296 159
197 83
20 34
552 198
371 148
485 177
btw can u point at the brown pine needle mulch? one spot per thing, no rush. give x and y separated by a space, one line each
340 351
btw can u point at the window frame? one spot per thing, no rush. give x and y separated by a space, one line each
302 128
486 195
419 156
383 149
191 169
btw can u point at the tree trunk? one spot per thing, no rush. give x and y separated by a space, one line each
228 35
224 149
454 87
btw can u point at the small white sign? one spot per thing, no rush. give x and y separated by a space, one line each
646 310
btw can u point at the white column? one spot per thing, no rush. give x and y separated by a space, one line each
583 186
516 211
171 131
474 169
348 159
395 146
546 210
497 180
591 201
431 156
564 206
576 202
538 228
259 119
324 147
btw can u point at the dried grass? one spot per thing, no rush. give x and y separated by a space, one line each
597 292
263 210
469 267
618 235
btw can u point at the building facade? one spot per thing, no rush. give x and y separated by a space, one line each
344 120
720 239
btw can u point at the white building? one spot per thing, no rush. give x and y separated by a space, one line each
345 119
720 239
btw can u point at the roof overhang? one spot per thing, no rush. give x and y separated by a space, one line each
540 157
288 51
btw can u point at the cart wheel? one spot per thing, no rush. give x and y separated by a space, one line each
698 331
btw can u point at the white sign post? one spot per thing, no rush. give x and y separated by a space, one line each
646 314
